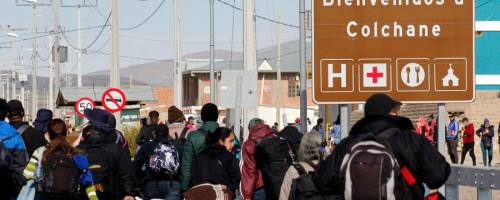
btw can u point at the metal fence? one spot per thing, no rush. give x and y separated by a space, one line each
485 179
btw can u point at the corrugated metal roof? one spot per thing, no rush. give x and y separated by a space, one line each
68 96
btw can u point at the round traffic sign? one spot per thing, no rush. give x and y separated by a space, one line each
113 100
82 104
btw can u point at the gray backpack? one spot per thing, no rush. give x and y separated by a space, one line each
371 170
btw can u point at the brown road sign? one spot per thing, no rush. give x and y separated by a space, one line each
413 50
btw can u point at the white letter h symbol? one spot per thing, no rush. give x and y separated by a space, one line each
342 75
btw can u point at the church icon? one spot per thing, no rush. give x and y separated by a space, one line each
450 78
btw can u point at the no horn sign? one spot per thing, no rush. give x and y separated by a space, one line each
113 100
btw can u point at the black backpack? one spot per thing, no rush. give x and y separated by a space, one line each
60 177
370 169
6 167
303 187
273 156
181 141
99 165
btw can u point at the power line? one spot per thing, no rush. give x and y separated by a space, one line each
147 19
91 44
130 57
258 16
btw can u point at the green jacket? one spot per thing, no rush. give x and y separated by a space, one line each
194 144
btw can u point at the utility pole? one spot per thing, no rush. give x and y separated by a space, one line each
13 57
115 65
278 77
34 98
303 75
79 47
178 56
249 53
51 77
212 53
57 56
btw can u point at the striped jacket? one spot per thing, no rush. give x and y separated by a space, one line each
35 160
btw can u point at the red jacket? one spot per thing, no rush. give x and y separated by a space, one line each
469 133
251 177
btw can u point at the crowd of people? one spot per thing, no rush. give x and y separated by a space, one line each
381 156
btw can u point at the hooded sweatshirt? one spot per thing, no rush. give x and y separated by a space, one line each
292 135
421 127
14 143
215 165
251 177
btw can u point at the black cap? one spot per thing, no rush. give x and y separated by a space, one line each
380 104
15 108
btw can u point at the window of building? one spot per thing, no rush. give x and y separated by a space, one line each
293 88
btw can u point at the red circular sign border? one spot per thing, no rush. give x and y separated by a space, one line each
103 100
78 102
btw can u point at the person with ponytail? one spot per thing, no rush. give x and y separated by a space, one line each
216 165
58 148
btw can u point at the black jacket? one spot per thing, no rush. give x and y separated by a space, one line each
414 151
32 137
216 165
121 167
293 135
145 134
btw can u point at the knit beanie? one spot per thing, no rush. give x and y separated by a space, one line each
486 120
175 115
209 112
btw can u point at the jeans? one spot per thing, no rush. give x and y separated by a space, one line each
468 147
163 189
490 153
259 194
452 150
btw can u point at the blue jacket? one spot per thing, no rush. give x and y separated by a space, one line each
14 143
336 135
453 130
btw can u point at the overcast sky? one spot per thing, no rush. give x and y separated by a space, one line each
153 40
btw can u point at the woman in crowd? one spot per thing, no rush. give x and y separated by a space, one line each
54 161
486 132
215 164
309 156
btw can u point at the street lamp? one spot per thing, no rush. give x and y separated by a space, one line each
14 36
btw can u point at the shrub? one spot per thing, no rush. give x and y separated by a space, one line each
131 132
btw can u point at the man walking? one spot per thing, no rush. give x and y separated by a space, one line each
468 142
452 138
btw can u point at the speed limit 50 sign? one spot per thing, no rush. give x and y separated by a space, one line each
82 104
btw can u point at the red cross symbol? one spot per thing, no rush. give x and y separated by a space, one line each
375 75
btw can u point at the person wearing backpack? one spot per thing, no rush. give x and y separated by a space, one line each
486 133
162 160
215 164
146 132
196 141
252 183
110 164
32 137
13 156
55 168
297 184
412 159
176 127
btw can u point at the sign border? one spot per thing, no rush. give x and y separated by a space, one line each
104 98
78 102
360 102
